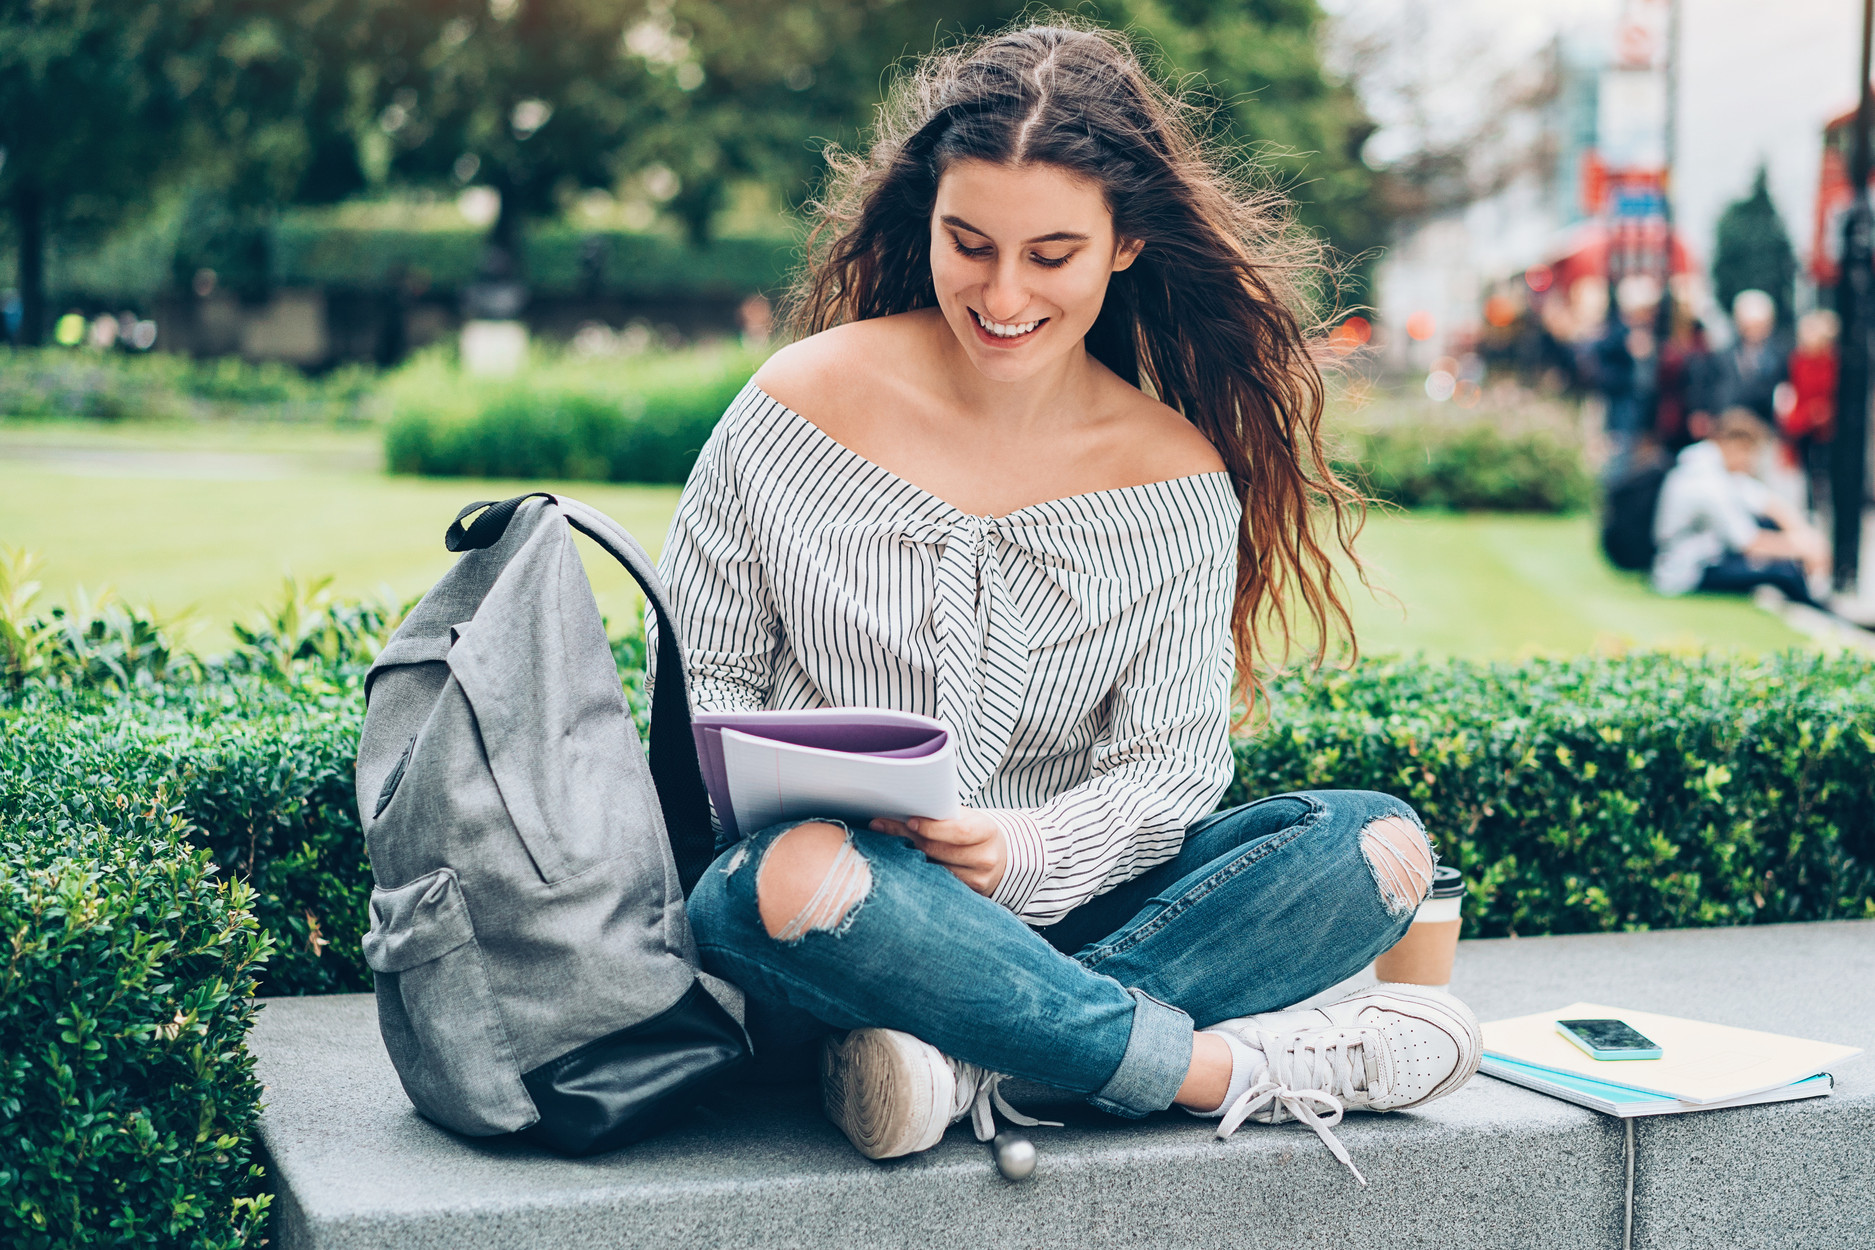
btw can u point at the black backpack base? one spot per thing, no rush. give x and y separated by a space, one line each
627 1085
1628 519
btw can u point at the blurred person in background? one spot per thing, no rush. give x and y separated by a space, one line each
1810 421
1718 528
1748 373
1685 359
1627 370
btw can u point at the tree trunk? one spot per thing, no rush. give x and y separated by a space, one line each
505 237
29 222
499 291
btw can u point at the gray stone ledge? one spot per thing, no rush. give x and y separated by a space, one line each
1491 1166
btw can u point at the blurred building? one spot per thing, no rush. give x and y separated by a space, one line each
1581 202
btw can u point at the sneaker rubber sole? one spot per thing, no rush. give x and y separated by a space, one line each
890 1093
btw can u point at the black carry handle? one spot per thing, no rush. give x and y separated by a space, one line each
673 749
489 527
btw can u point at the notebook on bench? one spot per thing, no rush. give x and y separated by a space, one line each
1701 1067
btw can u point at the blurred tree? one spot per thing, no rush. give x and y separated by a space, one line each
533 98
538 99
331 128
255 103
1752 250
777 81
105 103
1259 64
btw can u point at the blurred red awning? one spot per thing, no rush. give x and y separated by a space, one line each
1584 249
1832 201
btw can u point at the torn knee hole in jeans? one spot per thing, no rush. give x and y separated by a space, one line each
845 883
1401 860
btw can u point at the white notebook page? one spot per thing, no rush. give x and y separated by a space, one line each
772 781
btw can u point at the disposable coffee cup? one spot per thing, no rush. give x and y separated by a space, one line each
1424 956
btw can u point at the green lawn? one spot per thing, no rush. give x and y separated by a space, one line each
208 519
1509 586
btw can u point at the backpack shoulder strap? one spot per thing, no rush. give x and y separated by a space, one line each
673 748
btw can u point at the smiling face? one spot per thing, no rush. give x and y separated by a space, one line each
1020 257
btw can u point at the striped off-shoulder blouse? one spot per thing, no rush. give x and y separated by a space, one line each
1079 649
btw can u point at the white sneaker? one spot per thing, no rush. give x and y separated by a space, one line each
1383 1048
893 1095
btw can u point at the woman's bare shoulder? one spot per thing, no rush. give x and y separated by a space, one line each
824 375
1155 441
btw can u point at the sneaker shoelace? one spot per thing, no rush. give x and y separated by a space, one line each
979 1094
1309 1075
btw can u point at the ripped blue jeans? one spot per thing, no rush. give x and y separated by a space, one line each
1263 906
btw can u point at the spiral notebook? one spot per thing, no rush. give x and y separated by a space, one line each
847 763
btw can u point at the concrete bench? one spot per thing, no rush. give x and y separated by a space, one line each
1492 1166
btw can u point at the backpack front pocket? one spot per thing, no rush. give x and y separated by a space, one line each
437 1011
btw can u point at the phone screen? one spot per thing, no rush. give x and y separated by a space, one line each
1608 1035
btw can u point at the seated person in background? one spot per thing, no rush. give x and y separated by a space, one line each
1718 528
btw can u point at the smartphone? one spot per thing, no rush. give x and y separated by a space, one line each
1608 1039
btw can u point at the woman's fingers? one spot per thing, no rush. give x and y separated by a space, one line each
953 832
966 829
945 832
970 847
922 834
976 855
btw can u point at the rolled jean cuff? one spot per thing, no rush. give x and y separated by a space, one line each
1158 1056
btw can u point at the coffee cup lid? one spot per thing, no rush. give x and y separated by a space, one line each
1447 882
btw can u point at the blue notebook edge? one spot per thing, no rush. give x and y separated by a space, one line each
1624 1100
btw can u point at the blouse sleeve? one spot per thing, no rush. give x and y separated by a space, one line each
1161 761
719 593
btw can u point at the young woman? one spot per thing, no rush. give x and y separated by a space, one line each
1044 465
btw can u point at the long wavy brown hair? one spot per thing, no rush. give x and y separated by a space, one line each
1211 319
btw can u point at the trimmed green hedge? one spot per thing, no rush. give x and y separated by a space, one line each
644 420
642 266
617 421
1474 467
127 1096
1588 795
116 386
259 772
166 828
1651 790
307 248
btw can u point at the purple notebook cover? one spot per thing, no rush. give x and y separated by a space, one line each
853 730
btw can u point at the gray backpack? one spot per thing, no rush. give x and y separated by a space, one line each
534 965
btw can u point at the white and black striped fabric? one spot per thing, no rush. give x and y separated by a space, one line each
1078 649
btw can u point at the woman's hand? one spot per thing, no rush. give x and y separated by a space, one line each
970 845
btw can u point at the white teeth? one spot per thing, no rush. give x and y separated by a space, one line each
1002 331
